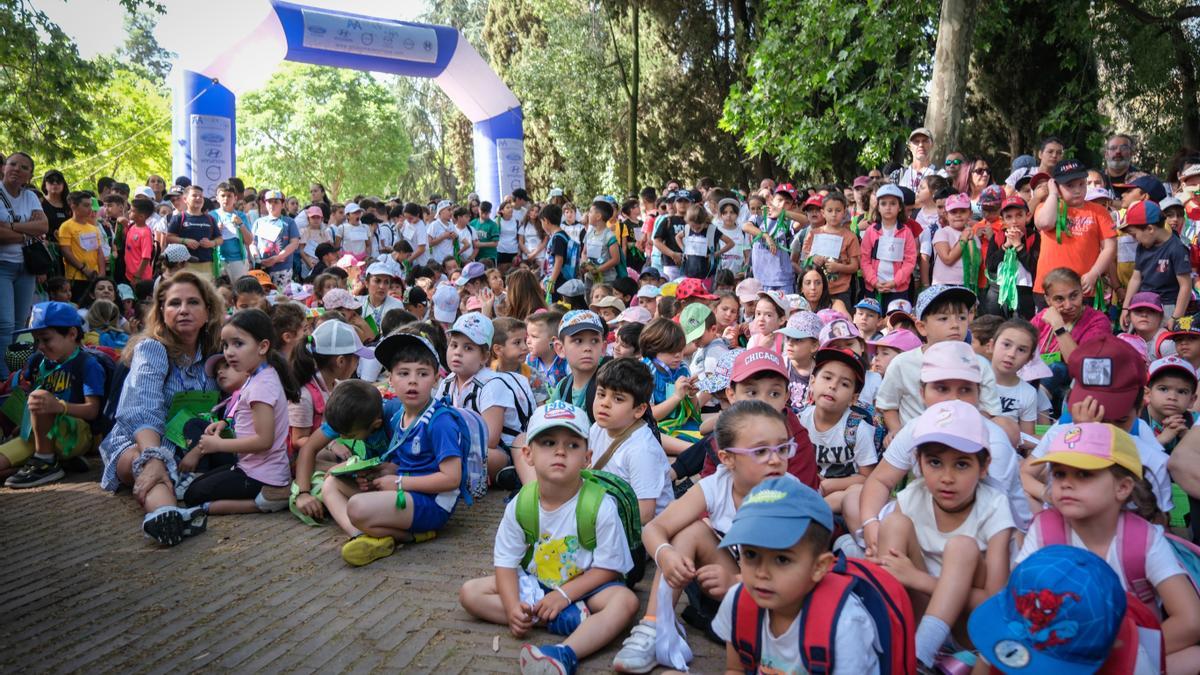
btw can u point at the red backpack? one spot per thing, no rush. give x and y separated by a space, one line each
885 599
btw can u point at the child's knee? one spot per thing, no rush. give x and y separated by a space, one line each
357 511
961 550
472 592
897 522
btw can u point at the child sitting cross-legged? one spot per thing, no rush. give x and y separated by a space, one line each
410 496
947 537
574 591
753 445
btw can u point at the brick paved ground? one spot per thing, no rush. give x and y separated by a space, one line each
85 592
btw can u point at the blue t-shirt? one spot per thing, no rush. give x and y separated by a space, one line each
664 378
198 227
271 244
231 248
380 440
420 449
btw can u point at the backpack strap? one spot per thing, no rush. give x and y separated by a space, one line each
587 508
616 443
1052 527
1135 542
527 518
746 631
818 622
318 398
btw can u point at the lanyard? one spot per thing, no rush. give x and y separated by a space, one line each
44 375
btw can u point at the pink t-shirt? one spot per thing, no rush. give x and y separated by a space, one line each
1090 325
270 467
943 273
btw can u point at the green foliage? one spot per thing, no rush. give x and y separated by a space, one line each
833 84
311 123
141 50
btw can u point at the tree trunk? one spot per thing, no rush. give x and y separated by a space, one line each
948 88
631 178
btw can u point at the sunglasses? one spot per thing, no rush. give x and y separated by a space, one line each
954 162
981 172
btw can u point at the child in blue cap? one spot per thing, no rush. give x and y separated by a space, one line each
782 532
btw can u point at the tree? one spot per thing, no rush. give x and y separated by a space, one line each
141 50
311 123
948 86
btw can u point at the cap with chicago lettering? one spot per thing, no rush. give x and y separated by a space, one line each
758 360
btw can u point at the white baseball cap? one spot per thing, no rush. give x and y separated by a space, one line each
558 414
445 303
338 338
476 327
353 208
382 269
145 191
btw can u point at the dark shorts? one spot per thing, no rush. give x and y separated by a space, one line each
590 593
505 258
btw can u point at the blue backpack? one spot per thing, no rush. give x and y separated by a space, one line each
474 432
571 262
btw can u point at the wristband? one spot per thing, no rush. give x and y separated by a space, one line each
564 594
660 547
868 521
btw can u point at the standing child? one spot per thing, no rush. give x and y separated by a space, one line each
834 235
947 538
464 237
488 235
79 241
956 248
579 594
701 243
259 480
602 250
1020 236
769 254
889 249
1162 265
139 243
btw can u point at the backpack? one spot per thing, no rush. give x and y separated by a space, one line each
318 403
521 403
1135 542
473 430
596 484
885 600
860 412
571 262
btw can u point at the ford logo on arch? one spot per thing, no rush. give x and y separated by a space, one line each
212 138
316 30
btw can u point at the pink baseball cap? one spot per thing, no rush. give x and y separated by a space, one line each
958 201
474 304
747 290
339 298
838 329
633 315
829 315
314 211
953 423
757 360
901 338
951 360
1145 300
1093 446
778 299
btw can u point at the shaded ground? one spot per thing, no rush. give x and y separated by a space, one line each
85 591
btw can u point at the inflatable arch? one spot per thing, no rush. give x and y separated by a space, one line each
207 77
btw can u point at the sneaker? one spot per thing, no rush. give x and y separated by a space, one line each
548 660
35 472
164 525
568 619
637 652
364 549
507 479
76 464
195 521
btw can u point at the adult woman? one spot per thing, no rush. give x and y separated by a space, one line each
954 166
167 360
21 216
156 183
54 200
525 294
1050 153
292 207
974 181
1065 324
814 287
317 193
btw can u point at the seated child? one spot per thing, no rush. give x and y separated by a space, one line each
581 340
983 334
1012 346
782 532
842 433
947 537
674 401
331 355
104 326
868 317
258 413
626 344
621 440
542 333
801 333
410 496
64 388
1146 319
888 347
1170 397
753 444
579 594
248 293
1094 471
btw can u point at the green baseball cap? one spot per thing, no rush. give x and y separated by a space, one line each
693 319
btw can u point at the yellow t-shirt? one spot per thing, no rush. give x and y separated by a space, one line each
83 241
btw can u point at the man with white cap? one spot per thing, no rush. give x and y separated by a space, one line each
920 145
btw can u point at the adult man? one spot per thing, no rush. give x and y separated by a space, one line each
1118 161
920 146
276 238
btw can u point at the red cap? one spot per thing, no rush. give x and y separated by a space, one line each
692 288
1109 370
788 190
815 200
758 360
1013 201
1037 179
862 181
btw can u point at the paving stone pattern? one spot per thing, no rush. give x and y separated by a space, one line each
257 593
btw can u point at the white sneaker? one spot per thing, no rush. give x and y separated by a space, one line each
637 652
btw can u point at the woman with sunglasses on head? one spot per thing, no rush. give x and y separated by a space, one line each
976 175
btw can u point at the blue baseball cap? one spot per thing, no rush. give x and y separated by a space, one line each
776 514
53 315
870 304
1060 613
927 296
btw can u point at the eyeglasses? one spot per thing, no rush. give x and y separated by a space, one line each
981 172
762 454
953 162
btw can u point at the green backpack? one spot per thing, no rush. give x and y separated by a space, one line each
596 484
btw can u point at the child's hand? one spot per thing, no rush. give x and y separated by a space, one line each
192 244
1087 410
41 402
215 428
900 566
385 483
871 538
676 569
550 605
190 461
520 620
819 260
731 335
1173 427
209 444
714 580
310 506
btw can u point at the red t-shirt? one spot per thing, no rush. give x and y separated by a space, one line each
139 246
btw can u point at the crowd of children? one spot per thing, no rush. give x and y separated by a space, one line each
865 430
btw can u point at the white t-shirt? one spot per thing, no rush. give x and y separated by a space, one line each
901 387
445 249
355 238
23 206
1161 563
988 517
416 236
377 313
485 391
781 654
558 555
717 488
385 238
508 236
832 451
466 242
870 388
1019 401
1003 473
532 241
1154 459
640 460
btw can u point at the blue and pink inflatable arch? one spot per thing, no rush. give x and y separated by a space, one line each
208 77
